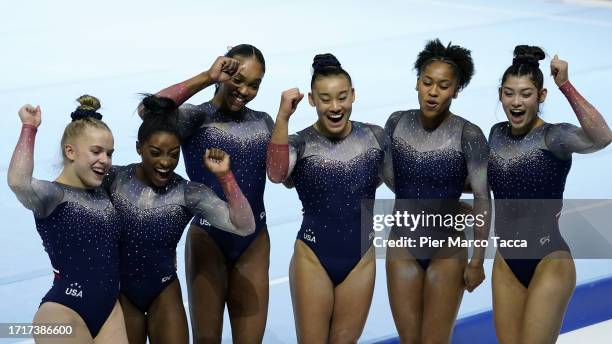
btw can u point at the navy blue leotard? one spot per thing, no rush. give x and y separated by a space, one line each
244 136
331 177
524 168
435 164
527 174
80 232
152 222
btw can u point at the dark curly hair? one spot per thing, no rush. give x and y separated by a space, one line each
457 57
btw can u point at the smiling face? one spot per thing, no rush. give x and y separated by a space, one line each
234 94
436 86
333 97
160 155
89 155
521 102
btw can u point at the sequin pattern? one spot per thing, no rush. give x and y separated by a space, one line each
245 137
331 178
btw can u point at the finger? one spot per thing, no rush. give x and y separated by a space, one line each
213 154
207 154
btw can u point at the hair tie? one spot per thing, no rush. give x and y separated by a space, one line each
82 114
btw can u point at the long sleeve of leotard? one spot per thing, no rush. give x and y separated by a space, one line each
476 150
390 126
282 158
277 162
189 116
234 216
592 135
39 196
385 169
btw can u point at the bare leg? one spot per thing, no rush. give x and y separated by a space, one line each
113 331
166 319
405 279
135 321
206 272
312 294
52 312
247 301
352 300
443 292
509 298
547 298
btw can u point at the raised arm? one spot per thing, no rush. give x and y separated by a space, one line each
223 69
593 133
277 161
31 193
236 215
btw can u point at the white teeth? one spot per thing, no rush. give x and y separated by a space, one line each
335 116
162 170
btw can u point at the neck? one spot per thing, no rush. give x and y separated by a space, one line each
431 123
522 131
217 100
68 177
140 174
344 133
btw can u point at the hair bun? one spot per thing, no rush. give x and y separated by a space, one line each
87 108
325 61
158 106
526 54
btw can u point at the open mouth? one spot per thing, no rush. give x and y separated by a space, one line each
335 118
238 100
517 115
162 173
99 172
430 104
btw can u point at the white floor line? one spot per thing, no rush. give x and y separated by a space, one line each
595 334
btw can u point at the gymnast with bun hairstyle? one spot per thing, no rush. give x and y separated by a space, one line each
78 225
528 166
333 164
155 205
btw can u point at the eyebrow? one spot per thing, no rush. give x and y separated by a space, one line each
329 95
241 76
175 148
521 90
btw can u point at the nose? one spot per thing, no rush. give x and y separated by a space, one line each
105 159
433 91
335 106
516 101
164 162
242 90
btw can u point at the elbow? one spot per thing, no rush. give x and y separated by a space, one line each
606 141
276 177
14 184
